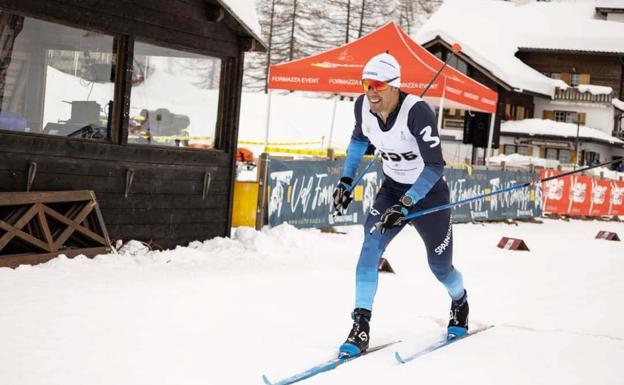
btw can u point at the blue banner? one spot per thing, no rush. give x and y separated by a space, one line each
300 193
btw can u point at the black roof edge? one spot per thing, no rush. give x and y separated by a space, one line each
605 10
561 138
570 51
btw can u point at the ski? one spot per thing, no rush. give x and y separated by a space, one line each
438 345
324 367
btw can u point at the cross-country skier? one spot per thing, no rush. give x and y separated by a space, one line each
403 129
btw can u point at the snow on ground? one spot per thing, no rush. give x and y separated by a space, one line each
225 311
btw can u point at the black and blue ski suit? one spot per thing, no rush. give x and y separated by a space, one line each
409 144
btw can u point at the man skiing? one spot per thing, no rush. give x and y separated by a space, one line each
403 129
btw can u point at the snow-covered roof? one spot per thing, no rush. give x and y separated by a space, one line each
595 90
551 128
618 103
491 32
246 15
523 161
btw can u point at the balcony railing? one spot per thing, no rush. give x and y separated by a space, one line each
573 94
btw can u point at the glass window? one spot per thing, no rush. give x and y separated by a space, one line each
551 153
174 98
561 116
574 82
55 80
564 156
523 150
509 149
565 116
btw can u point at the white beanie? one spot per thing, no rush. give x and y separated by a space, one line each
383 67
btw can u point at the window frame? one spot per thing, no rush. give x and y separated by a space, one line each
123 51
115 63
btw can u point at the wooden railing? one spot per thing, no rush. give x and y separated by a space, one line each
573 94
38 226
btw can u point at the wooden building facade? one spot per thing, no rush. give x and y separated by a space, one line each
90 99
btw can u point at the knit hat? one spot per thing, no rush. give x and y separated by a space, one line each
383 67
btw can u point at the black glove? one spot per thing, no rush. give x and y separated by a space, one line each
342 195
393 216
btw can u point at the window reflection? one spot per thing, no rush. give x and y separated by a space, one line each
174 97
54 79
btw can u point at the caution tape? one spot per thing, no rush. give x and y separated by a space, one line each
317 153
257 143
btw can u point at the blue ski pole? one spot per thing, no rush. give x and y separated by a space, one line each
477 197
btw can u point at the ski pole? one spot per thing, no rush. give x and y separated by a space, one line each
477 197
455 49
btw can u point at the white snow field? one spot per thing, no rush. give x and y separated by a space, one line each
226 311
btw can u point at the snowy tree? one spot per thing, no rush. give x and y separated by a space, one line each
293 29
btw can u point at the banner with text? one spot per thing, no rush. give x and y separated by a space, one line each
300 193
579 195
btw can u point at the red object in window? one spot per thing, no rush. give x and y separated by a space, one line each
244 155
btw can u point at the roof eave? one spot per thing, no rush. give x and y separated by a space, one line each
570 51
561 138
482 69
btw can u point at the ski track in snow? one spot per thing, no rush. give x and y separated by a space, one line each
275 302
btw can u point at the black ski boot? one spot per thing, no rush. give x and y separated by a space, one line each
458 324
357 342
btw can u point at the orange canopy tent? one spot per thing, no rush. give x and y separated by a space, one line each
339 70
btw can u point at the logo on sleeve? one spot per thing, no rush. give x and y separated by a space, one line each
426 136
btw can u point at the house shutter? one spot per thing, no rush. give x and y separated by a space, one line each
530 151
584 79
542 152
548 115
581 116
519 112
566 78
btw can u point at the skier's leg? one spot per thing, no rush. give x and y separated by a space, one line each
373 247
366 276
437 233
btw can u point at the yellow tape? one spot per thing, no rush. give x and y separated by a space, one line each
250 142
319 153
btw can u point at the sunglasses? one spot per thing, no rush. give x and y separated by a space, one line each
376 85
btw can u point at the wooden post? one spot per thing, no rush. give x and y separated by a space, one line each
263 176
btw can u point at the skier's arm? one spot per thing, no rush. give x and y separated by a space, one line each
358 145
422 125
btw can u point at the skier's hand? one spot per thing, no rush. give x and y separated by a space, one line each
342 195
392 217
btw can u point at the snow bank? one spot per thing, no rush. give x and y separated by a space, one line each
519 160
595 90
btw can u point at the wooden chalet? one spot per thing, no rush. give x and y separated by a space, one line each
91 101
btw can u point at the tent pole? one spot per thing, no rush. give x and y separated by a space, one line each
488 152
333 122
268 121
441 107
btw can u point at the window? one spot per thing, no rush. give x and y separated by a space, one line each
565 116
175 98
515 112
56 80
560 154
459 65
574 82
514 149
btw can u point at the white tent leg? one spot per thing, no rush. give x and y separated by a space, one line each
441 107
488 152
268 122
333 122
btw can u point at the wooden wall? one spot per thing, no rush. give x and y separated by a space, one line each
605 70
165 202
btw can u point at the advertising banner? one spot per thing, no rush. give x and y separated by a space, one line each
300 193
578 195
